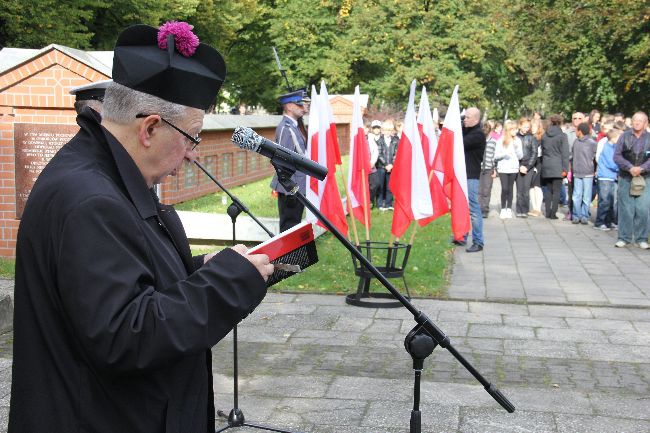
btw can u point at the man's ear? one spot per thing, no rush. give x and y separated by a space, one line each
148 129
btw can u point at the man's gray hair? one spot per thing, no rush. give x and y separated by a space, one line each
122 104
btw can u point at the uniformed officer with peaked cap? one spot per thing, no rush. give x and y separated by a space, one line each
90 95
291 134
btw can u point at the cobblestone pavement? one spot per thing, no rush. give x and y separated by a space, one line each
550 312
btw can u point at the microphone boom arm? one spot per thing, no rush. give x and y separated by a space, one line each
234 199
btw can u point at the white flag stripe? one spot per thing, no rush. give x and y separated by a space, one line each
420 194
357 123
452 122
313 129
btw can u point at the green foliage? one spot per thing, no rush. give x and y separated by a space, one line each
7 268
518 56
595 53
38 23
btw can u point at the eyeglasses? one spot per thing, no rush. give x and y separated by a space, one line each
196 140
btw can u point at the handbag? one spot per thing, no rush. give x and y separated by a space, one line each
637 186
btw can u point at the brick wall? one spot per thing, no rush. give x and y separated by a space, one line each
33 92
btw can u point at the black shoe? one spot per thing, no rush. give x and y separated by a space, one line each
459 243
485 215
475 248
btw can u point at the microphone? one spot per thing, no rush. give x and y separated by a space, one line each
248 139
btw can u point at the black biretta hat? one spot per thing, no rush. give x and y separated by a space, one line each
169 63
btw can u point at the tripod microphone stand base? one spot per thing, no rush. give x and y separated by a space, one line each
236 419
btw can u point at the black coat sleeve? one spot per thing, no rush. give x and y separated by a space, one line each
124 318
564 148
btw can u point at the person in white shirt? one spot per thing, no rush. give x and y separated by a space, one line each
508 152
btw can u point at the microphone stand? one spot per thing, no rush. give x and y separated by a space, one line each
424 337
236 417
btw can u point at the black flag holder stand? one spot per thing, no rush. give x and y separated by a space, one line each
422 339
236 417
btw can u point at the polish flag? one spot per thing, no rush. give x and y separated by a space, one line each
409 179
332 136
450 160
358 188
429 147
322 149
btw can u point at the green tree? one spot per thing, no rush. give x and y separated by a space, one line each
38 23
594 54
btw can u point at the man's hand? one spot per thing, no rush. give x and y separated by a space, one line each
523 169
635 171
389 167
207 257
260 261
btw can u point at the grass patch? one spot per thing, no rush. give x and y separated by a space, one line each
7 268
426 273
256 196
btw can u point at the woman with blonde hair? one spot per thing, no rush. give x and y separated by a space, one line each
508 152
536 194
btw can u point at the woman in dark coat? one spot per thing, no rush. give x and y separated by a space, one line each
555 163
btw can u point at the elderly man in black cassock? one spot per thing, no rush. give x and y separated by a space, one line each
114 319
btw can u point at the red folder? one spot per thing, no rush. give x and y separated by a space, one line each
295 246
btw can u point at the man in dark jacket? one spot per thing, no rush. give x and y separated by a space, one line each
474 145
387 148
114 319
632 155
526 165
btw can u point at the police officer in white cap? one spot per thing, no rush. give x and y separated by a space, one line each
90 95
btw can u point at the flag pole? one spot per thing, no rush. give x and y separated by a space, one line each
415 230
366 209
354 224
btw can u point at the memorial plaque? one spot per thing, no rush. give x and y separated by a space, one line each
35 145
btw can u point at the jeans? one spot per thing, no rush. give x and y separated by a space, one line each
633 212
606 214
475 211
485 190
385 198
582 187
523 191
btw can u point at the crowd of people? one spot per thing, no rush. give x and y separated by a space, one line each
557 169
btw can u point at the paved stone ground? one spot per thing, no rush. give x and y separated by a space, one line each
551 313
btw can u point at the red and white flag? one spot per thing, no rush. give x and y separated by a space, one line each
332 135
322 149
409 181
450 160
358 188
429 147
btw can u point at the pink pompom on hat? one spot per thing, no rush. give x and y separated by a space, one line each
185 41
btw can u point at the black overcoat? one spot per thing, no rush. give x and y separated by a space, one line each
113 324
555 153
